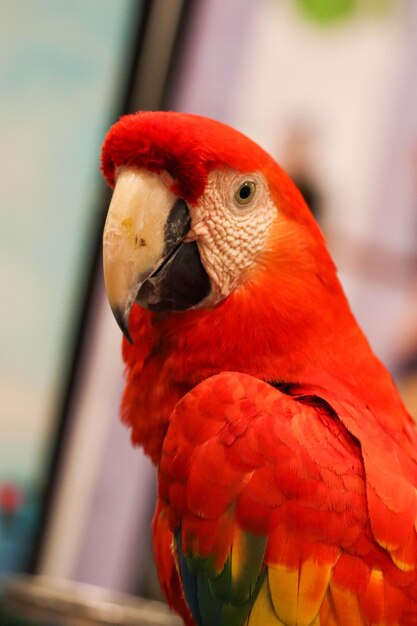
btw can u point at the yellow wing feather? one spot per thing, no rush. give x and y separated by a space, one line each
297 595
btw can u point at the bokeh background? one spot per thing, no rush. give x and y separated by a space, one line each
329 87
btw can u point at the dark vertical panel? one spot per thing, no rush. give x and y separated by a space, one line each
146 87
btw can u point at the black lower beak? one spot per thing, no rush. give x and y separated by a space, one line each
180 281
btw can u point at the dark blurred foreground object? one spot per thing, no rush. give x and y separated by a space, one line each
41 601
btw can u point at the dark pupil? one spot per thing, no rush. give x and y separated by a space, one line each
244 192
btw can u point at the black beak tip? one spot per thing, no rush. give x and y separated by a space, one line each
122 320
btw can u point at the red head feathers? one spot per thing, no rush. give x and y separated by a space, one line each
188 147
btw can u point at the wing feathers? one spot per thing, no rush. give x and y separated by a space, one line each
341 607
272 507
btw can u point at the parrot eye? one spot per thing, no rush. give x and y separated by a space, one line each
245 192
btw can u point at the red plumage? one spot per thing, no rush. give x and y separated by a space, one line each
323 463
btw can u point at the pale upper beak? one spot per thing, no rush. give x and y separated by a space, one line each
133 238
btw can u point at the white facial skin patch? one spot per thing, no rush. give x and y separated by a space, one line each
230 223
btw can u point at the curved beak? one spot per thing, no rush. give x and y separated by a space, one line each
144 252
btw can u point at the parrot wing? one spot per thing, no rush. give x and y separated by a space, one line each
266 497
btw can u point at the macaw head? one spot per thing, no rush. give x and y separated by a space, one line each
200 212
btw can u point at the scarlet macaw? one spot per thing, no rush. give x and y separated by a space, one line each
287 462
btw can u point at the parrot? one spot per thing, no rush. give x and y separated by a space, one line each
286 460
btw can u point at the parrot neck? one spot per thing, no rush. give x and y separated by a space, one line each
290 333
282 337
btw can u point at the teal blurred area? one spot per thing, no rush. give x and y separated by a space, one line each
62 69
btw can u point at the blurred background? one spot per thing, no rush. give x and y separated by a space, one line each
329 87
